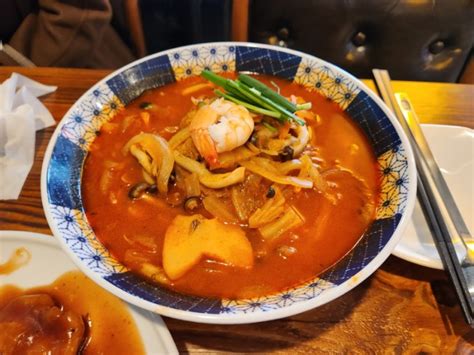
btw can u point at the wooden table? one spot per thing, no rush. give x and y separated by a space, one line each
401 308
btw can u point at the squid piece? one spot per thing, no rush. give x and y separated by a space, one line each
154 155
265 168
208 179
302 138
191 238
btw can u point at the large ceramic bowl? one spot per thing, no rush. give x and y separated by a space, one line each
67 150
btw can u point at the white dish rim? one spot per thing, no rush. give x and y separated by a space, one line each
50 241
405 253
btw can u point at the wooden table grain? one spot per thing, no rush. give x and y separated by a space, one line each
401 308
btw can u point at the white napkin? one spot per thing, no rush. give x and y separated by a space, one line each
21 115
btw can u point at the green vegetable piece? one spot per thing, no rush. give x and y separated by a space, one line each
214 78
266 91
146 105
251 107
305 106
249 95
274 105
228 85
270 127
255 96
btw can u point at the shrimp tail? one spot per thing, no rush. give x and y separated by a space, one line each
206 146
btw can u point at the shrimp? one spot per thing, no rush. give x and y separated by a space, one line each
218 127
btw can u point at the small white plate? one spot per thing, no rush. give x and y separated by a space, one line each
453 149
48 262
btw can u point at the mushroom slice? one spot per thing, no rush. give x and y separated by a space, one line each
208 179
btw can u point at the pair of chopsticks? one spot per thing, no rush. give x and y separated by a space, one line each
441 212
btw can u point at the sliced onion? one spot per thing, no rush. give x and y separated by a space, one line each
288 166
219 209
232 158
196 87
192 186
309 169
270 211
166 167
292 218
179 138
271 175
303 136
218 181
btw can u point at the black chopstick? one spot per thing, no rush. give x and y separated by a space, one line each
446 251
430 204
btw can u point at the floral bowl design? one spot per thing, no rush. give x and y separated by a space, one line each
67 150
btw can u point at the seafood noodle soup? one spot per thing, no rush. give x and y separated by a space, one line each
198 191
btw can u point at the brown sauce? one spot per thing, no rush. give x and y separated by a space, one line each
17 259
70 315
329 234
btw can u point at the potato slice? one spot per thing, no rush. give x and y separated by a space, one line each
190 238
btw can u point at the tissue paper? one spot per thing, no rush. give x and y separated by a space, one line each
21 115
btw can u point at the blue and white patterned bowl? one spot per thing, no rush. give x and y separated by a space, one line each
67 150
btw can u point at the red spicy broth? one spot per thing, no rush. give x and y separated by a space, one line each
331 229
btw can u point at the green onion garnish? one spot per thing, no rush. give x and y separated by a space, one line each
266 91
257 97
270 127
249 106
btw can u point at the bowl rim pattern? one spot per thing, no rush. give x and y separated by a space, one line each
238 315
